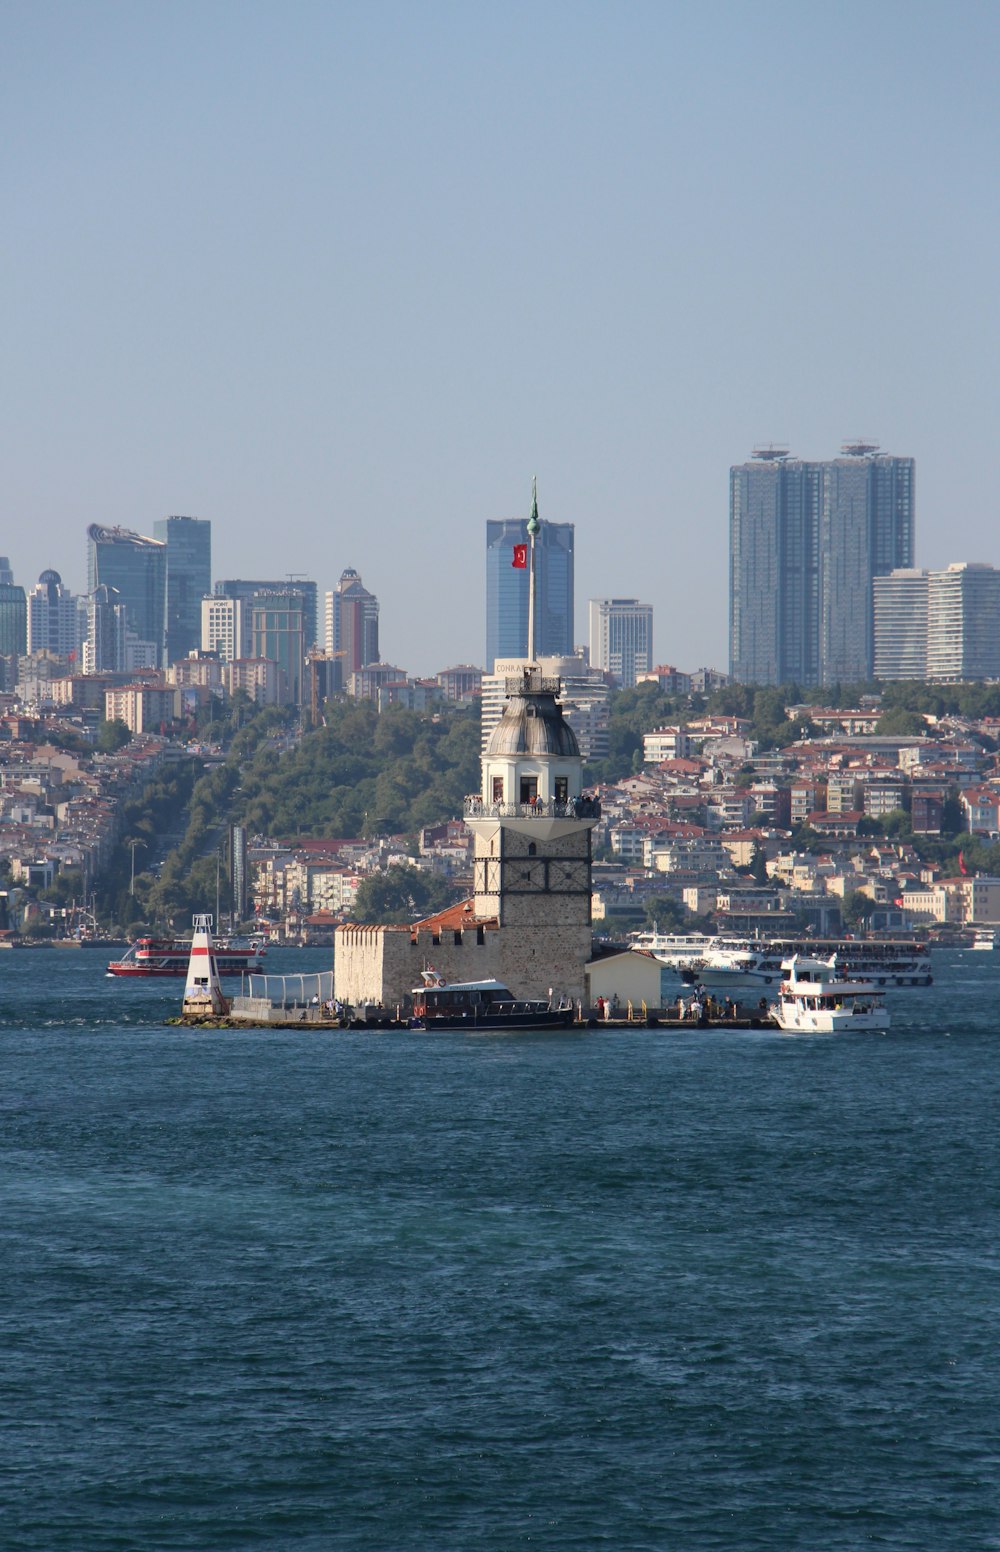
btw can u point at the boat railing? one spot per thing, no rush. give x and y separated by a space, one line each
574 808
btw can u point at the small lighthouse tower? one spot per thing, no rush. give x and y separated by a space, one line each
203 991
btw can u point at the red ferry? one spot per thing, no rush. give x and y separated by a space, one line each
169 956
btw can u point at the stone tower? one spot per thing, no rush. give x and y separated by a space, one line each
532 828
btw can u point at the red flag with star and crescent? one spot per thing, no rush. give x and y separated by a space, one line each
520 560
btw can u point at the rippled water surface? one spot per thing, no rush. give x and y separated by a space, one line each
392 1291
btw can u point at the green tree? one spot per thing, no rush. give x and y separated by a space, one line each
112 736
402 894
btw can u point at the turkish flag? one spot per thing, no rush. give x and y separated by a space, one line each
520 560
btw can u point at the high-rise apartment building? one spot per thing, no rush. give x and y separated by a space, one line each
806 542
106 646
137 569
189 579
507 590
963 623
621 638
900 624
56 621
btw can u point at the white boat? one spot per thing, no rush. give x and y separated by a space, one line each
741 965
984 938
818 998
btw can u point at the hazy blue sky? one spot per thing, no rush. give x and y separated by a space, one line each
343 277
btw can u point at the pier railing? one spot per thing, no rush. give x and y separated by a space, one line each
575 808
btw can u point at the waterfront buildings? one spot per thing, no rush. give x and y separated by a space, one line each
621 638
189 578
807 540
507 591
137 569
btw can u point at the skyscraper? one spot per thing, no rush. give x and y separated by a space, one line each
507 591
277 631
56 621
621 638
13 614
806 542
189 579
355 626
137 568
963 623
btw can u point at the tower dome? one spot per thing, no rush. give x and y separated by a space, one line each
532 722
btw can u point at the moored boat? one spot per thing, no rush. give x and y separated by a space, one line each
486 1004
818 997
170 956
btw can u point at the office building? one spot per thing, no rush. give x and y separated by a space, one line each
806 542
247 592
900 624
13 614
507 591
189 578
352 612
621 638
225 627
136 568
57 619
278 632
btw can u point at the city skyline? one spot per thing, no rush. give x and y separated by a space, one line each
386 265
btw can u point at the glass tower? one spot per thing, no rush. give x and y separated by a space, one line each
189 579
237 587
137 568
507 591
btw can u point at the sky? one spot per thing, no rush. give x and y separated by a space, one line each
343 277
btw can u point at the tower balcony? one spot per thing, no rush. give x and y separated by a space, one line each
574 808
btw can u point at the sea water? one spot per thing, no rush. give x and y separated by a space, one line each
625 1289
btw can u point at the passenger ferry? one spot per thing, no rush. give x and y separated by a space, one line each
818 997
481 1005
739 965
170 956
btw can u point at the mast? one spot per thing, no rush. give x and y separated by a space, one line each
533 527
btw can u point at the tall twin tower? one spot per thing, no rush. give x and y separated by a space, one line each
806 541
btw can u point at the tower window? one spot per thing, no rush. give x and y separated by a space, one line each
562 789
532 849
498 789
529 789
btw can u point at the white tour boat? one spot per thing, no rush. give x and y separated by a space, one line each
984 937
818 998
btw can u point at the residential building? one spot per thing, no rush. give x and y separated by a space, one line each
137 568
621 638
189 578
105 647
900 624
806 542
507 591
143 708
461 683
963 623
13 614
